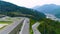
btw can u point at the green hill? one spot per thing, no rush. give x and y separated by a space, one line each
12 10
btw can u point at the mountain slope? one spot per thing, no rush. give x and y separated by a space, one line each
50 9
12 10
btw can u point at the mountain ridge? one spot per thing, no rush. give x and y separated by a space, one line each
12 10
49 8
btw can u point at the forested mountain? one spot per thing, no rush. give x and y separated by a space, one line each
12 10
57 12
50 9
47 26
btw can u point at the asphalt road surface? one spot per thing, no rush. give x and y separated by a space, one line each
34 27
25 27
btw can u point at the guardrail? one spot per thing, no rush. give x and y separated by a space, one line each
13 28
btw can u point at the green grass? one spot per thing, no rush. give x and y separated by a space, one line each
5 22
8 21
31 23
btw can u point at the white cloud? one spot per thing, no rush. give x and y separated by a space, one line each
32 3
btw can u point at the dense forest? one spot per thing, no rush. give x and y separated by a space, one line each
49 26
12 10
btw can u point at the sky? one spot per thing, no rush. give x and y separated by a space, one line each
32 3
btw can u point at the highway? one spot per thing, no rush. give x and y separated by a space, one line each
34 27
12 28
25 27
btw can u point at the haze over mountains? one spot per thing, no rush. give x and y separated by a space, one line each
50 9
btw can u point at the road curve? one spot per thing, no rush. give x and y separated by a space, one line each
34 27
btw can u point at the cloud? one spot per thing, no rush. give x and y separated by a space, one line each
32 3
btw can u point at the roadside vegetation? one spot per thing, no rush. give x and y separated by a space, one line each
47 26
